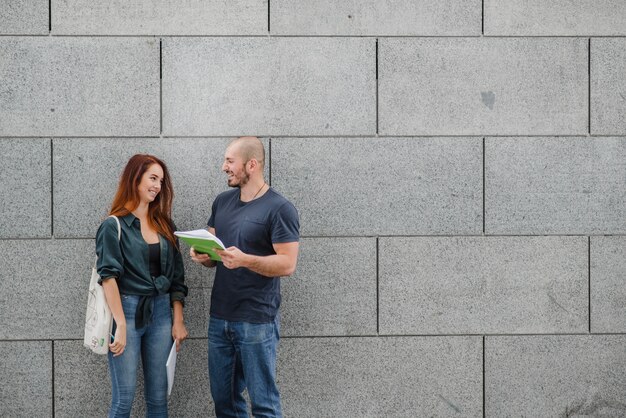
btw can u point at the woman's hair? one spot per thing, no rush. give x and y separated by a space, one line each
127 196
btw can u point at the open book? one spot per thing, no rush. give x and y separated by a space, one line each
202 241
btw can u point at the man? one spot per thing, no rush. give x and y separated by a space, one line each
260 229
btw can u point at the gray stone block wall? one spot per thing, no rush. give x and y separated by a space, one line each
24 17
483 285
171 17
72 86
555 375
269 86
458 166
554 18
483 86
608 81
554 186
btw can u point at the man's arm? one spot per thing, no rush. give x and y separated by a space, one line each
283 263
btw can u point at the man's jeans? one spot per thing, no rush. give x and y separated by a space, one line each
243 355
153 342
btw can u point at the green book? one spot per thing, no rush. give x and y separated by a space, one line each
202 241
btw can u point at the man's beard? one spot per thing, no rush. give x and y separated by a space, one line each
242 181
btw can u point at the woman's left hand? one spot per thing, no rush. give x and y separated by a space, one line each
179 333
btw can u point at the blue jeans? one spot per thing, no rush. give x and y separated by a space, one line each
153 343
243 355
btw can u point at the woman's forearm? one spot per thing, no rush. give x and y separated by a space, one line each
112 294
178 312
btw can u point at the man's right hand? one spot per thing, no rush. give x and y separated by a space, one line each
201 258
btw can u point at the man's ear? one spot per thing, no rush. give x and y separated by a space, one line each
253 163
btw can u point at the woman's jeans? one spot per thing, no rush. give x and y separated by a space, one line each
153 343
243 355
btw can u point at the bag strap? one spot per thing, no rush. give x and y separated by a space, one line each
119 234
119 227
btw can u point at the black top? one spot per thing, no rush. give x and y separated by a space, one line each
154 257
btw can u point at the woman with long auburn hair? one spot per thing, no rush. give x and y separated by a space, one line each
143 279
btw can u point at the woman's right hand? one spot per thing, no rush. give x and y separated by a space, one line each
119 344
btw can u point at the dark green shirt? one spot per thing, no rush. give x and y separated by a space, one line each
127 260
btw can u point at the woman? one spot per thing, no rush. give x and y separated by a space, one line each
143 280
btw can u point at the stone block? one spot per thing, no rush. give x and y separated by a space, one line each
381 377
333 291
555 18
483 86
555 185
79 86
171 17
79 394
87 171
43 288
24 17
26 385
266 86
25 189
608 284
478 285
381 186
191 396
82 381
608 84
196 276
197 305
556 375
371 18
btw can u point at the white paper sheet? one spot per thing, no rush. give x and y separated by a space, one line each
170 365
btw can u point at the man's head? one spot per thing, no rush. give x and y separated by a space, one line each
244 159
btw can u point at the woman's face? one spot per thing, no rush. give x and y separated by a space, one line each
150 184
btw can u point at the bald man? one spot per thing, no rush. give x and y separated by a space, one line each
260 229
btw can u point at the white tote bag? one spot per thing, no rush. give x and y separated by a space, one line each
99 320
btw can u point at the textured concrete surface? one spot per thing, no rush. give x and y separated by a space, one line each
372 186
333 291
566 376
24 17
372 17
83 385
608 85
608 284
486 86
555 18
25 188
555 185
43 288
196 275
149 17
376 377
457 165
79 86
82 381
476 285
86 174
267 86
26 387
196 312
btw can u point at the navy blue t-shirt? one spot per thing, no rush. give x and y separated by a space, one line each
241 294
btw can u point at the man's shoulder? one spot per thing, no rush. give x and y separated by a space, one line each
227 195
277 198
282 205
